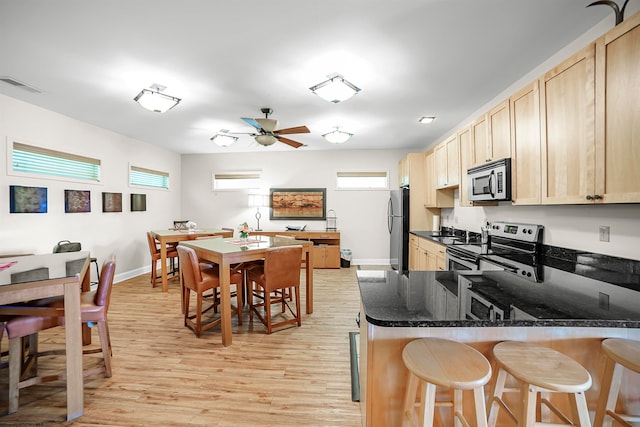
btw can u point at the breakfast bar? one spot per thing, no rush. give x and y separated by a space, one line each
579 301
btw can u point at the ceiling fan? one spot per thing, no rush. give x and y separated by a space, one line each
268 133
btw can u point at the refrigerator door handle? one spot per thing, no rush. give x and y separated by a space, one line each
389 216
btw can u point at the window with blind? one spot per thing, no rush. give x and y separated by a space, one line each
244 180
362 180
29 159
148 177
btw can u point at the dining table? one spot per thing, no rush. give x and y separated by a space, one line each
172 236
227 251
32 277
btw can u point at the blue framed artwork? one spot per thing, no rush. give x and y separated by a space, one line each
27 199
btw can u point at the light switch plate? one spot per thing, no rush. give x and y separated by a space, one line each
604 233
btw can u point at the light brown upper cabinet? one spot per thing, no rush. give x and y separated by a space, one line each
435 198
525 145
466 161
499 132
568 137
617 138
447 163
491 135
414 165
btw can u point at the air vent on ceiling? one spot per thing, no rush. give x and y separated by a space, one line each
18 83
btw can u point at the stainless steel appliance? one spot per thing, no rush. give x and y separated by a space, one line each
490 182
398 225
514 248
461 259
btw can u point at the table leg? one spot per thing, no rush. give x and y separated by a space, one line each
75 385
309 280
225 302
86 287
163 265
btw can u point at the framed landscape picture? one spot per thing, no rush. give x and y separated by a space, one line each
298 203
138 202
76 201
27 199
111 202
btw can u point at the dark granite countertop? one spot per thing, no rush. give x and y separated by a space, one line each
579 290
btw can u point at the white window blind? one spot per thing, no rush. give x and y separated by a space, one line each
38 160
237 180
362 180
148 177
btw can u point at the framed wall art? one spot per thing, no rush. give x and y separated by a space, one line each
27 199
111 202
76 201
138 202
298 203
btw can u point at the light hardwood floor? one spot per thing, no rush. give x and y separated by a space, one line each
164 376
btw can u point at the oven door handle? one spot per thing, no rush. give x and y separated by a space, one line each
507 267
462 257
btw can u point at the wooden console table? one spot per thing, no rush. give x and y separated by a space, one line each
326 245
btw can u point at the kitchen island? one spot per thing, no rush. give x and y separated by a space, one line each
571 310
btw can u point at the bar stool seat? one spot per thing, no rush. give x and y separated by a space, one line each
621 354
438 362
539 370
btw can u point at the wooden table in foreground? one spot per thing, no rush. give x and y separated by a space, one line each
225 252
40 276
174 236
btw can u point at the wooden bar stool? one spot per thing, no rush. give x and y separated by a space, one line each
539 370
438 362
621 354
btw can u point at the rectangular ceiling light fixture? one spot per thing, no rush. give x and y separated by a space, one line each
153 100
336 89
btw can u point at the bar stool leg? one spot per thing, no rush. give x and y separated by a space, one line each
457 408
611 381
579 409
528 395
428 409
496 398
479 402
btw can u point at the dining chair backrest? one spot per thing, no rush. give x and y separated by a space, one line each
180 225
153 246
103 293
282 267
190 266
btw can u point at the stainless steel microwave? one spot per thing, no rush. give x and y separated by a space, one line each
490 182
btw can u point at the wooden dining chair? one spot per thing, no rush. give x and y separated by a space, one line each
94 306
154 250
269 282
201 280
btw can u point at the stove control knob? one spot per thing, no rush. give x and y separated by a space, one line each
524 230
523 273
528 274
530 231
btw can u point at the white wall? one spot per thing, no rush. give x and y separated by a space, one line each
121 234
361 215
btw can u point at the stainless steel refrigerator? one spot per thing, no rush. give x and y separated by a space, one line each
398 224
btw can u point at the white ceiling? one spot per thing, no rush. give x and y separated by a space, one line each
228 58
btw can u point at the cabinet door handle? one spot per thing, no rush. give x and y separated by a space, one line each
589 197
597 197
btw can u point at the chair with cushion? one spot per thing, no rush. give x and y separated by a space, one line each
200 280
68 246
269 282
154 249
94 306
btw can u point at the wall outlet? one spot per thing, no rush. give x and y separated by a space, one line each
604 233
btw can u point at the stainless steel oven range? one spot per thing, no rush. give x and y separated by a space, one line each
513 247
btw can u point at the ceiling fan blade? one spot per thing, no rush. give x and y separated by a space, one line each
289 142
252 122
297 129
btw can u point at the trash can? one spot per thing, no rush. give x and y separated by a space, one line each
345 258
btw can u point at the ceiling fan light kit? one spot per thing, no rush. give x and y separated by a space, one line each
337 136
426 119
265 139
336 89
224 140
153 100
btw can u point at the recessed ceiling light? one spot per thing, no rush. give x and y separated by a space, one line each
426 119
